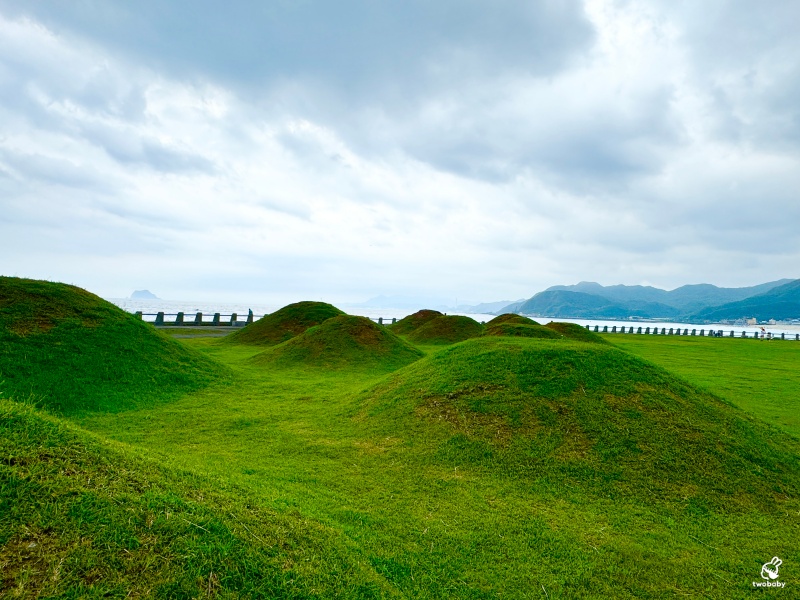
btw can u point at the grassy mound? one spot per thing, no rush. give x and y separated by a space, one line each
343 342
284 324
511 325
576 332
589 416
72 351
413 322
512 319
446 329
82 519
510 329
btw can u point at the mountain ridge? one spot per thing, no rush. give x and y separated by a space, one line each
694 302
681 297
782 302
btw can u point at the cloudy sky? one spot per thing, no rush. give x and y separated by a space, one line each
308 149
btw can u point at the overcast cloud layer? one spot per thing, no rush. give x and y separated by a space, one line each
340 150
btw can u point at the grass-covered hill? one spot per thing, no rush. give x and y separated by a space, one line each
343 342
510 329
513 325
511 318
81 518
71 351
576 332
284 324
413 322
446 329
591 417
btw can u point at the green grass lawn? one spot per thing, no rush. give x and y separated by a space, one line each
760 377
438 512
84 518
332 459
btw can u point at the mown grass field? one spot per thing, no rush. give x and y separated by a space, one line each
438 512
497 467
760 377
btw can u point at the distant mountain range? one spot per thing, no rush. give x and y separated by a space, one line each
779 303
696 303
418 302
700 303
488 307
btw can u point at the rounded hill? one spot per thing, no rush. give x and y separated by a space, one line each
343 342
512 319
284 324
71 351
413 322
446 329
574 331
586 415
512 329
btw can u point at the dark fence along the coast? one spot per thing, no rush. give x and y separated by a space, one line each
218 320
232 320
180 320
686 331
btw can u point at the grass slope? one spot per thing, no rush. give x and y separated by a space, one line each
511 329
761 378
73 351
446 329
512 319
413 322
483 471
576 332
343 342
82 519
596 416
284 324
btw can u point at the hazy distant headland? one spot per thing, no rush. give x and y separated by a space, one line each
144 295
437 303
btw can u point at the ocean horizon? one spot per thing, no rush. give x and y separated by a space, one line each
150 308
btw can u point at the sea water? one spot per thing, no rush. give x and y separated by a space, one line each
149 308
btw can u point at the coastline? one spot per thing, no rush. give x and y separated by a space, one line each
151 307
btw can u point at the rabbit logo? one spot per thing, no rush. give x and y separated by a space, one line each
769 572
770 569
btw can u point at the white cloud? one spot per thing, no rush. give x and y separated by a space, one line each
487 175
